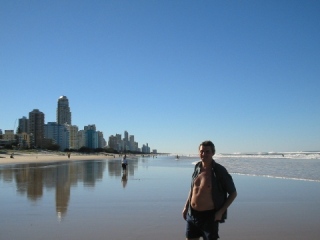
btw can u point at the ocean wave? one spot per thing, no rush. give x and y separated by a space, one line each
289 155
277 177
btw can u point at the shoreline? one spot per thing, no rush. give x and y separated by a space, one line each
18 158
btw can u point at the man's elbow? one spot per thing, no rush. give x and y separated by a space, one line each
234 195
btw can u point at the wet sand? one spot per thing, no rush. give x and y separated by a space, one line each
150 208
268 208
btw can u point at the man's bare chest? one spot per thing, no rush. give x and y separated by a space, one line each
203 180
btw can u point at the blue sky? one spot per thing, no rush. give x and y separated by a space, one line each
244 74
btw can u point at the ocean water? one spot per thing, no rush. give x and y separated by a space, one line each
287 165
96 200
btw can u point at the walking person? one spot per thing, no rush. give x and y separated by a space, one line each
124 163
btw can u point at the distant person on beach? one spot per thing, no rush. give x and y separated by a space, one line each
212 192
124 163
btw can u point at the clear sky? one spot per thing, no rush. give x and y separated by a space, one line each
244 74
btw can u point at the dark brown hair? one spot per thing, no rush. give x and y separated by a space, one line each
208 144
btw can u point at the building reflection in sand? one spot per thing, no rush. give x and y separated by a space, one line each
33 179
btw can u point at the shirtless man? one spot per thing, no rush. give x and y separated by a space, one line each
212 192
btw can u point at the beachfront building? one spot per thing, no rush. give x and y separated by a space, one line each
112 142
145 148
118 137
115 142
126 136
23 126
128 143
73 136
8 138
23 133
125 144
132 144
8 135
36 127
81 139
63 111
91 136
59 133
23 140
101 140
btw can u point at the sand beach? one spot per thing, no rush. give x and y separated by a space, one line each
38 157
93 199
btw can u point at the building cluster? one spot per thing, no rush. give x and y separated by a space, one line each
127 143
32 132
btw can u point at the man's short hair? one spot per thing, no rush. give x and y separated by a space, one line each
208 144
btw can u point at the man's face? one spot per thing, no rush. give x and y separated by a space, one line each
206 153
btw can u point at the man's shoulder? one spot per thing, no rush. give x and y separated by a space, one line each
198 164
219 168
218 165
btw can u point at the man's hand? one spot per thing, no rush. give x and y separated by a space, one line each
218 216
184 213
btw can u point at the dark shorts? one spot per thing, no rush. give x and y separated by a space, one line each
124 166
202 224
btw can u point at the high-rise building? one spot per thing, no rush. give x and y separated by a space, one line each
126 146
36 127
112 143
91 136
115 142
145 148
101 140
58 133
63 111
126 136
133 145
23 125
73 136
81 139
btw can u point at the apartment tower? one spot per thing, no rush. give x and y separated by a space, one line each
63 111
36 127
23 125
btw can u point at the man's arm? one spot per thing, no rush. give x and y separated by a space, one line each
186 207
225 206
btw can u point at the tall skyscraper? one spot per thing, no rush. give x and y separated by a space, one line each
63 111
23 125
91 136
36 127
126 136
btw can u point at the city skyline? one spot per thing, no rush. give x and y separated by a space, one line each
49 129
244 74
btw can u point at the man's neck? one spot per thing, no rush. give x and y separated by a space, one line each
207 164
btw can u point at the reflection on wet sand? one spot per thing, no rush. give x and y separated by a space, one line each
32 179
115 169
124 179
